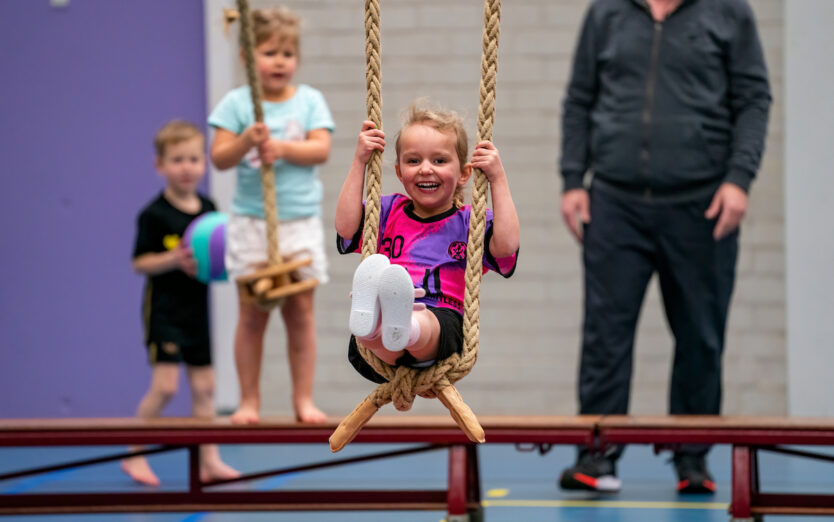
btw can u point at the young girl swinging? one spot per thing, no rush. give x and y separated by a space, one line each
407 301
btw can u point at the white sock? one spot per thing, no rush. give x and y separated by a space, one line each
413 332
373 335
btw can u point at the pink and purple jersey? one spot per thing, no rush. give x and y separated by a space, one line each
433 250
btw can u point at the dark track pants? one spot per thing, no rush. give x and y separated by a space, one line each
628 240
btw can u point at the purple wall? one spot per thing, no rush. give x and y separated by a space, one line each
83 90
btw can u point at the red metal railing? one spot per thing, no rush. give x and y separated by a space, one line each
462 493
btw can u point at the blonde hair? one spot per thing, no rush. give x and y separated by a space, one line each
174 132
269 22
439 119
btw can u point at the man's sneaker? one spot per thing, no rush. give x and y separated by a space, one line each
693 476
592 472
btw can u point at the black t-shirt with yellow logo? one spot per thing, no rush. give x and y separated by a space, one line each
175 305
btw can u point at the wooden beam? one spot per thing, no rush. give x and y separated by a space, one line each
405 428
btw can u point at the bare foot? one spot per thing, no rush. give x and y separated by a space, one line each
138 469
217 470
309 413
245 415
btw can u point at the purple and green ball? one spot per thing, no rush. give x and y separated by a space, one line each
206 236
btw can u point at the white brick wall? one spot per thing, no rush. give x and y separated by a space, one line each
530 323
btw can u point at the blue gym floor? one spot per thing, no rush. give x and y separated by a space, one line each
516 486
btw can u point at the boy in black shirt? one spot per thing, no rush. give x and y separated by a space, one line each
175 305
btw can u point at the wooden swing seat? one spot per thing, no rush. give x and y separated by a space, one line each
268 285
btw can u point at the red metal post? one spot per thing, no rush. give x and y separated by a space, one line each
457 481
473 475
740 505
194 484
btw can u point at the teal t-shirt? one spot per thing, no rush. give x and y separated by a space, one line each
298 188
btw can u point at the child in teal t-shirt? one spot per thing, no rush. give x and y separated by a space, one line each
297 185
295 137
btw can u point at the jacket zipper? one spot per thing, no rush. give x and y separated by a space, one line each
651 80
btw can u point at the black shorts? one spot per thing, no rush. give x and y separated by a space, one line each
450 342
169 352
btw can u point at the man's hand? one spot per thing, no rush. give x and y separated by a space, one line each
729 204
576 210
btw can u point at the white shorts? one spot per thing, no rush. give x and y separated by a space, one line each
297 239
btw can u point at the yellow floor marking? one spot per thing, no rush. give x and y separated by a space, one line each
625 504
495 493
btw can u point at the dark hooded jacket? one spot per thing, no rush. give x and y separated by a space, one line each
666 108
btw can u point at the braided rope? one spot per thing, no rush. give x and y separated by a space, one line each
405 383
373 80
477 220
373 174
247 40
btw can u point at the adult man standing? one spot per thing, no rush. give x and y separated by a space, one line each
667 105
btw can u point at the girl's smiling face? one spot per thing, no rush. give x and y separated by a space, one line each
429 168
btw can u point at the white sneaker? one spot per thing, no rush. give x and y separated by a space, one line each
396 299
364 304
